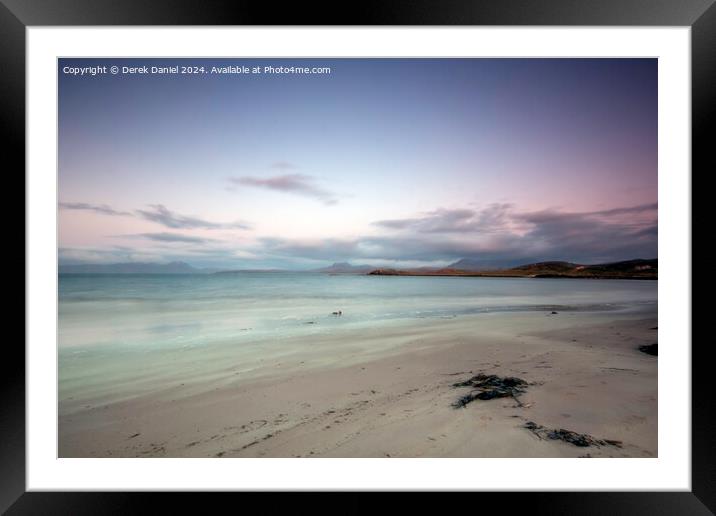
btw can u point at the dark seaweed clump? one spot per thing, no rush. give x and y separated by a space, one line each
581 440
487 387
650 349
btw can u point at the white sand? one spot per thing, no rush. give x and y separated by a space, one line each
389 394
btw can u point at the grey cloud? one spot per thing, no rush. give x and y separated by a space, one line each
497 236
97 208
494 216
388 248
629 210
433 222
298 184
156 213
590 237
544 216
442 220
160 214
172 237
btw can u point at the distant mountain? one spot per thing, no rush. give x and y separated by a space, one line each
630 269
471 264
346 268
131 268
239 271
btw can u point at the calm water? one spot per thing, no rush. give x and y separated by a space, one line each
119 334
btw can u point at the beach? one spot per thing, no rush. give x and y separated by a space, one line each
329 257
387 390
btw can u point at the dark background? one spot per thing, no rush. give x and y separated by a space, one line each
15 15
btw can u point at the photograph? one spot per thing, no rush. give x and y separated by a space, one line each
357 257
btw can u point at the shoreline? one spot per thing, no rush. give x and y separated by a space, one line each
390 394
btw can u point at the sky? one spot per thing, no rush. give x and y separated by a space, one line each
389 162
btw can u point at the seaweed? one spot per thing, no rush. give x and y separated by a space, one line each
488 387
581 440
650 349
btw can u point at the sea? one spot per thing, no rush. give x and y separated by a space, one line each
123 335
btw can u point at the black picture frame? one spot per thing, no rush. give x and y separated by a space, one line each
17 15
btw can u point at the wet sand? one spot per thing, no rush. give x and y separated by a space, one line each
389 393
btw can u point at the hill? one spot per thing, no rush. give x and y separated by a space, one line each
472 264
346 268
630 269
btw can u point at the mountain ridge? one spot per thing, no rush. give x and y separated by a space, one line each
345 268
627 269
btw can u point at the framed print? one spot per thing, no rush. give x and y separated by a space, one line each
419 253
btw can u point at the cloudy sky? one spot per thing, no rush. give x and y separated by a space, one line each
403 162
